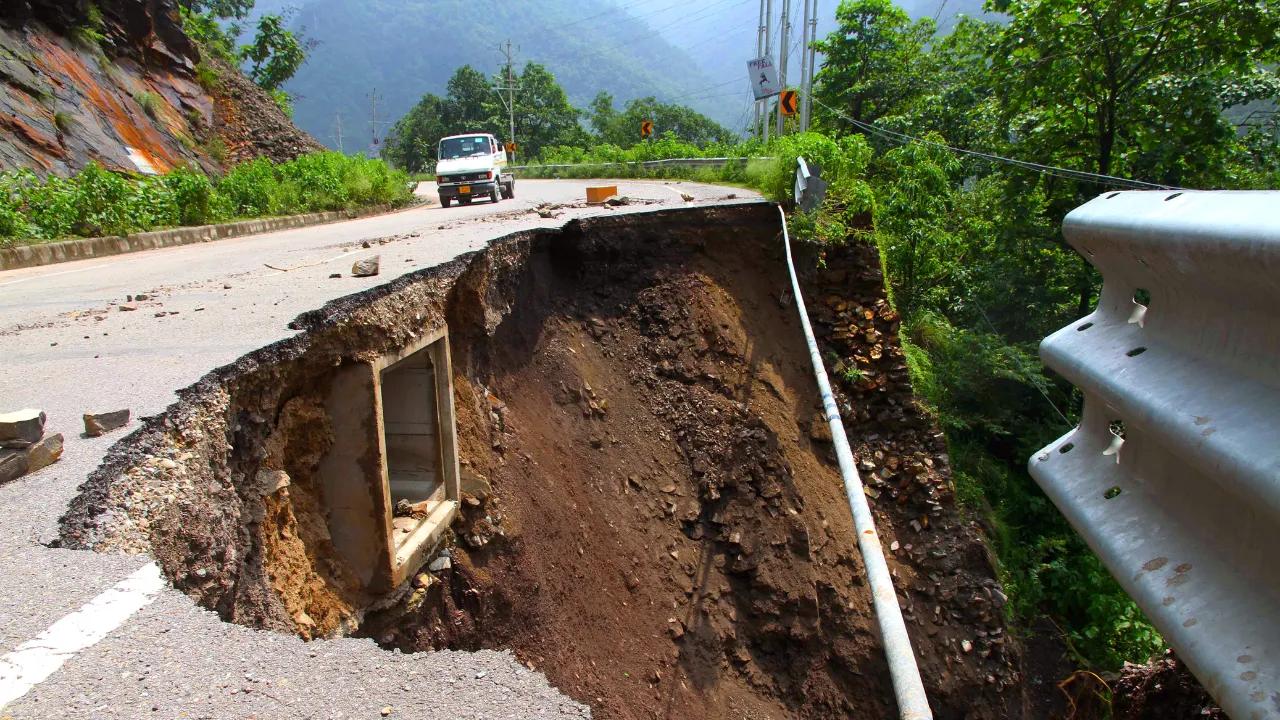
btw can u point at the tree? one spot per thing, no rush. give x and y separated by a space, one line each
602 115
1119 87
623 128
877 61
472 103
411 143
225 9
544 116
275 54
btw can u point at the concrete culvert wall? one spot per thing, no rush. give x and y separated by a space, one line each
647 508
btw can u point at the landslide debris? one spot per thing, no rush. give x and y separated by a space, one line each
665 534
650 514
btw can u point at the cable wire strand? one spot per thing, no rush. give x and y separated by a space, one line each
1066 173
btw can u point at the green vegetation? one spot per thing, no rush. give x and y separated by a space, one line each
207 75
544 117
272 57
405 48
972 248
96 202
548 126
622 128
149 102
91 33
63 121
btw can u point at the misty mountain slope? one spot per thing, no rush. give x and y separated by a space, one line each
405 48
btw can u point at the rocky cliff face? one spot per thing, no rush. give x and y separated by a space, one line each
115 81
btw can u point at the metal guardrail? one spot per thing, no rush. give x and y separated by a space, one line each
671 162
1173 476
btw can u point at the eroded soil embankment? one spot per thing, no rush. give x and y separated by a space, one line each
665 533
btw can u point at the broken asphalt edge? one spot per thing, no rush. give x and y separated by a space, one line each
77 527
28 256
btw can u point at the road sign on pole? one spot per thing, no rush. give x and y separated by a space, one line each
764 77
789 102
646 129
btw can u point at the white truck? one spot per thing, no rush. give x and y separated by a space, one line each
470 166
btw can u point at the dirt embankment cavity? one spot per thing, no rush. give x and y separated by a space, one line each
652 513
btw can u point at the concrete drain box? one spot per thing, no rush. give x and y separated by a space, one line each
395 444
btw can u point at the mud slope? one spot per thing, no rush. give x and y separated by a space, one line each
655 519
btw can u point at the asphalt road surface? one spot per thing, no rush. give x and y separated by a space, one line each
67 348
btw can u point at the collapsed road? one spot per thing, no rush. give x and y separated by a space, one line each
647 509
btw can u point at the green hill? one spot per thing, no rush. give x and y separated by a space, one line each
405 48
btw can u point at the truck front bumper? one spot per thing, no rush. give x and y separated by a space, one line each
475 189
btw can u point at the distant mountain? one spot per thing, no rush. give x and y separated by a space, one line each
694 54
404 48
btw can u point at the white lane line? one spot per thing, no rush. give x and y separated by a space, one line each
666 187
35 660
49 275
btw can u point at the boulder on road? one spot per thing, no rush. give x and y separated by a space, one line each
13 465
44 453
97 424
366 267
21 428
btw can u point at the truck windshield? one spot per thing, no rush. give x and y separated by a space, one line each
461 147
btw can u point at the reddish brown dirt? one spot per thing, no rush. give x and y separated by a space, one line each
668 534
1163 689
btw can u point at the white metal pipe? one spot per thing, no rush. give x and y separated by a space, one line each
907 687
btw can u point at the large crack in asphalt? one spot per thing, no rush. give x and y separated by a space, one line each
651 513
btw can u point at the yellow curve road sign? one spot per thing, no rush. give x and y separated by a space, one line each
790 102
646 129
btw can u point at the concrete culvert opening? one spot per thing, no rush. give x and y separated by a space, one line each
647 506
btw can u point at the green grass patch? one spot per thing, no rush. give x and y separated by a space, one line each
149 102
96 202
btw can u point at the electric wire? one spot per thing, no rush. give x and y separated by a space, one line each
1061 172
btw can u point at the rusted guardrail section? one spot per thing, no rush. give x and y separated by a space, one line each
1173 476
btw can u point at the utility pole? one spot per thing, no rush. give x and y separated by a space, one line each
768 52
373 116
806 102
338 120
510 88
760 32
782 57
804 65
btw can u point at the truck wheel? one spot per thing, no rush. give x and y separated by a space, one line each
444 201
464 201
494 196
510 190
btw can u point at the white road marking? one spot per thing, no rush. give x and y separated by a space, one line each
49 275
35 660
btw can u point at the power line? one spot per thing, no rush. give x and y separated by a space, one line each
1065 173
938 14
701 14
